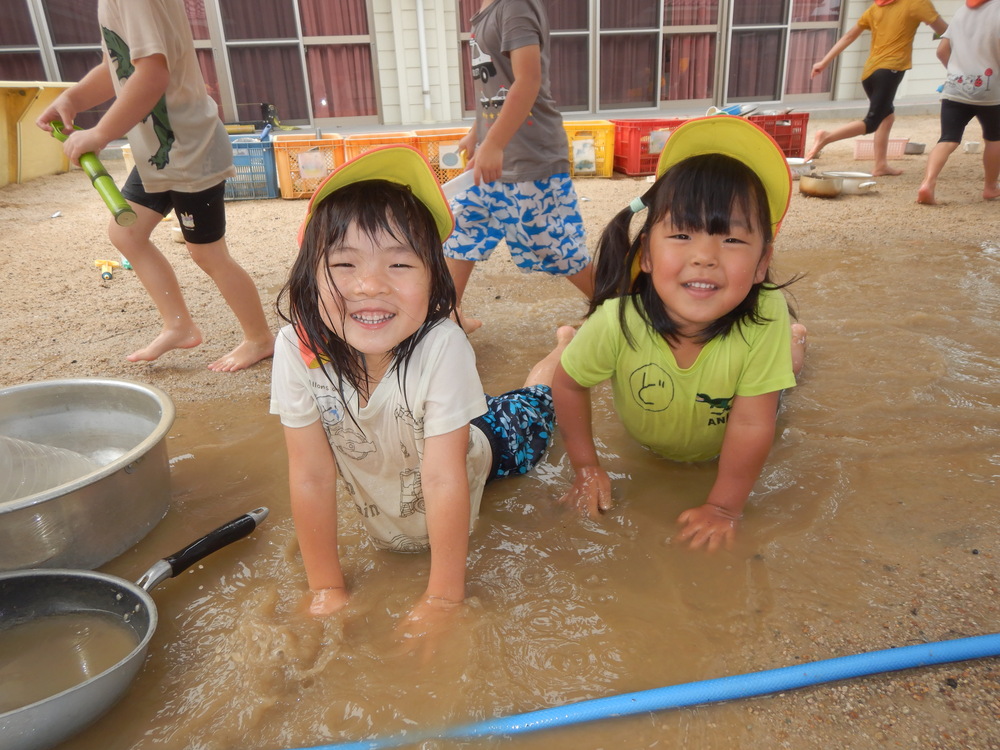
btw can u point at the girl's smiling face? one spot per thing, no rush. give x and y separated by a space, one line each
374 294
701 277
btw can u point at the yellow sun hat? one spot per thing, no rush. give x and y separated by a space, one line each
395 163
740 139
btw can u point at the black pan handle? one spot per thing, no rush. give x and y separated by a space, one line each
177 563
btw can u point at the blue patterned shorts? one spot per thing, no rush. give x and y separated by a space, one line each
540 221
519 426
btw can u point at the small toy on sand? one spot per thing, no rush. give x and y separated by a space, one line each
107 268
105 186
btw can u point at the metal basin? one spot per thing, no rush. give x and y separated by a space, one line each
854 183
820 186
118 428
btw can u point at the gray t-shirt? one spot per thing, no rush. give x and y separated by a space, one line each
540 148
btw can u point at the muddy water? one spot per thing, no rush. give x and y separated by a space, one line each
885 456
46 656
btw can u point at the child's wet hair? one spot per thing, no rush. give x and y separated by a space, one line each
376 207
701 194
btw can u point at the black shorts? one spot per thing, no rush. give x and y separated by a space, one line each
880 88
956 115
202 215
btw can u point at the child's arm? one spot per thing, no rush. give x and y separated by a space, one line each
312 481
96 87
527 66
591 490
136 99
747 442
445 486
849 37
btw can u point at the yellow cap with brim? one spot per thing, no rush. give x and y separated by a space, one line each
400 164
742 140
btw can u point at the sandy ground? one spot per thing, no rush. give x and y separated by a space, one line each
60 319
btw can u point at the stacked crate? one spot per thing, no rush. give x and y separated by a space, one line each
788 131
256 177
591 147
638 143
440 147
304 160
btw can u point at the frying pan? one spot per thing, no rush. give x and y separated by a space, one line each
29 595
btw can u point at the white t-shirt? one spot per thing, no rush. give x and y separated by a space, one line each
182 145
974 65
379 451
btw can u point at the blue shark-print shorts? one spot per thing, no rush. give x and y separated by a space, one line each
540 221
519 426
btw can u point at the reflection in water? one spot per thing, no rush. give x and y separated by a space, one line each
885 459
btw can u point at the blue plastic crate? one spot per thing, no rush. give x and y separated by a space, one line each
256 176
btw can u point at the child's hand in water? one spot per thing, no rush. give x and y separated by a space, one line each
708 525
590 493
424 625
328 601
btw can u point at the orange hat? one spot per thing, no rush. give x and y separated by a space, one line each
976 3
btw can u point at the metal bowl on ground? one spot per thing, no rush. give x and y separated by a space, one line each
854 183
799 166
85 472
820 186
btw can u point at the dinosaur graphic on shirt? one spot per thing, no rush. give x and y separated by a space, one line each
716 405
121 57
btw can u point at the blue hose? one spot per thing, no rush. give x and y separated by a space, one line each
706 691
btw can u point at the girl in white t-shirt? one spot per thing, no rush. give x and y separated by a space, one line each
377 385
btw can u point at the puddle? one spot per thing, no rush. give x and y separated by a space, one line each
885 459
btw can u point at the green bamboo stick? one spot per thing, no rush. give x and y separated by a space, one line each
102 182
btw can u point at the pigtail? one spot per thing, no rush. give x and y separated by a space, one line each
619 252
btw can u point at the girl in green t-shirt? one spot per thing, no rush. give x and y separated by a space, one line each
687 323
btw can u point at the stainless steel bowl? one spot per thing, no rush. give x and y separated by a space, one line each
121 427
820 186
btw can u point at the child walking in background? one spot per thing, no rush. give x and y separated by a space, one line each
519 155
970 50
182 159
375 383
893 25
687 323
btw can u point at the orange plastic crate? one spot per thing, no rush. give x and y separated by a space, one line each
303 161
638 143
355 145
581 134
788 130
440 146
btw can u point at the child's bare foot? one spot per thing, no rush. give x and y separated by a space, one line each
885 170
925 195
991 193
168 340
243 356
799 345
817 146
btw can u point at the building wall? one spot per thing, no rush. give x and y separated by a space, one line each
398 52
